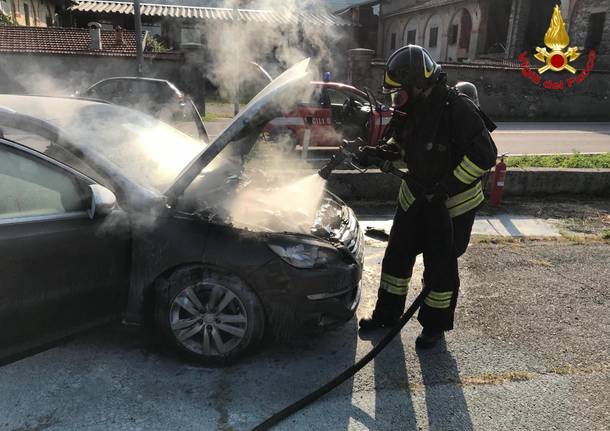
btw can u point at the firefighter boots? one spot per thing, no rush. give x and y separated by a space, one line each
387 311
428 338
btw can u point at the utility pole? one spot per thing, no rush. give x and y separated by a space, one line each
138 29
236 74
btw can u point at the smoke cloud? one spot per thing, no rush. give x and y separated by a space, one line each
232 47
281 194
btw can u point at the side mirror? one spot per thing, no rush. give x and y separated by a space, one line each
103 201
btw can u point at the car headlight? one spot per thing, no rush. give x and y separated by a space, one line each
304 253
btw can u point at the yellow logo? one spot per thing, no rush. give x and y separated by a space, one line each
557 39
427 73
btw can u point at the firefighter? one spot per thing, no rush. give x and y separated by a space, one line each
445 141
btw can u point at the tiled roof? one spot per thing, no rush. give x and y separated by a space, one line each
60 40
429 4
280 15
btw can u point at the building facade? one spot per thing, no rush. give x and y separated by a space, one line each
468 30
32 13
590 28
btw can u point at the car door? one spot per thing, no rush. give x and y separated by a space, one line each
319 117
60 270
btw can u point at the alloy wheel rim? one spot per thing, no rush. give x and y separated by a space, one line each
208 319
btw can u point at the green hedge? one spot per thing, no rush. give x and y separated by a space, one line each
560 161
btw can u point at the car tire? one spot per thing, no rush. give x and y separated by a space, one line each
284 140
210 317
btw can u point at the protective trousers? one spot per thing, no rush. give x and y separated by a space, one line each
428 229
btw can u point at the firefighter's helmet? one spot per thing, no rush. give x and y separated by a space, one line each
410 66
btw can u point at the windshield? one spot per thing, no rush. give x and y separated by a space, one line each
146 150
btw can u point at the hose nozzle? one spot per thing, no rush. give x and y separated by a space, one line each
329 167
346 153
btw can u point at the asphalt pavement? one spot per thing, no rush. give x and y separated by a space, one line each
529 352
529 138
551 138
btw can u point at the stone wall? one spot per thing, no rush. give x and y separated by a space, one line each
65 74
376 186
506 95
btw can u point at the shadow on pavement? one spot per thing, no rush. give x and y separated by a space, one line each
393 403
445 401
390 376
283 373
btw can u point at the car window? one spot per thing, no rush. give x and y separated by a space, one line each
317 99
340 97
143 149
50 149
105 90
157 92
32 187
29 139
337 97
186 119
359 98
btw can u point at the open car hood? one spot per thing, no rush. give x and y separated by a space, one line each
279 96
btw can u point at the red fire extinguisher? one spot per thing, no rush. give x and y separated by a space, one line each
497 187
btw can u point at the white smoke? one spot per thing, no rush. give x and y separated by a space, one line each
293 198
282 194
232 47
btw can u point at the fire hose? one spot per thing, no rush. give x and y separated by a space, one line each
348 373
345 154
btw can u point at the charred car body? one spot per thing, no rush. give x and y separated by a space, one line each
100 223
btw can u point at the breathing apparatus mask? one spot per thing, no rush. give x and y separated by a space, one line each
401 98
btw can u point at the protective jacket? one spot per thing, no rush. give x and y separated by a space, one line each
445 141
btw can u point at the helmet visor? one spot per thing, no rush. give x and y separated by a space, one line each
399 98
389 85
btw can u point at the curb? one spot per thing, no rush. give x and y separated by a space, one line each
375 185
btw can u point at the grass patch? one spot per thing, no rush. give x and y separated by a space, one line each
212 116
541 262
498 378
575 160
565 238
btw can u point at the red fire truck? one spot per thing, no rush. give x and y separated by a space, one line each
334 112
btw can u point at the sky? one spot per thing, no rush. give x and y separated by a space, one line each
338 4
332 4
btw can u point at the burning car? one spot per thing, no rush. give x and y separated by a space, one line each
101 219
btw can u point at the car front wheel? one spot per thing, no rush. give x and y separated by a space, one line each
211 317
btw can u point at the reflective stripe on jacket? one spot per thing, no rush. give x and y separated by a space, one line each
458 204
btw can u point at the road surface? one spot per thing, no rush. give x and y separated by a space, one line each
543 138
530 138
527 353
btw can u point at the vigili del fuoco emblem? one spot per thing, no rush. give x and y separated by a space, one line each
557 39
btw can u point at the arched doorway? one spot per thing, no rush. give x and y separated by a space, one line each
497 27
410 35
539 18
432 36
393 38
459 35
